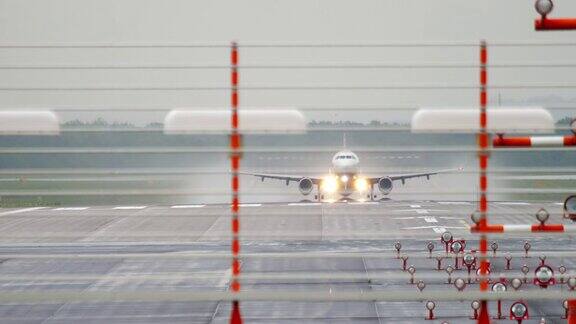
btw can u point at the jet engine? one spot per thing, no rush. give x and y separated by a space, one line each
385 185
305 185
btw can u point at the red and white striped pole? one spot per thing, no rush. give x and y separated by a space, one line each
235 155
483 317
535 141
524 228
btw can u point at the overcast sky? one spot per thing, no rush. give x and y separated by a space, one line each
133 21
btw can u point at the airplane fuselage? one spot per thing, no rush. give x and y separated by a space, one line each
345 172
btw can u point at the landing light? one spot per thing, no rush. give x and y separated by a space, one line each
344 178
361 184
329 184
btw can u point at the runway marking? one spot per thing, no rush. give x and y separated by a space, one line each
224 281
250 205
187 206
415 206
512 203
404 218
444 217
363 203
454 203
430 219
129 207
305 204
559 203
437 229
17 211
71 208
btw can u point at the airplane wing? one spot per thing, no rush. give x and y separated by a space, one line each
403 177
285 177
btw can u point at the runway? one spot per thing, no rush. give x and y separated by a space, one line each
176 248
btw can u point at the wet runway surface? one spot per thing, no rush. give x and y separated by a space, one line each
287 247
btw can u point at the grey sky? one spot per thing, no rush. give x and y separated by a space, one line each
117 21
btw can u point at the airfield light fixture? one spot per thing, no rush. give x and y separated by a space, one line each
476 217
446 238
527 247
460 284
542 215
494 247
544 276
518 311
525 271
542 259
544 7
457 247
430 305
430 246
499 287
570 208
516 283
421 285
475 306
508 258
562 270
398 247
571 282
411 270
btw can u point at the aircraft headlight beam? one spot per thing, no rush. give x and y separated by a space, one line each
344 178
329 184
361 184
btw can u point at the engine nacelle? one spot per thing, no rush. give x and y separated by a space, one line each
305 185
385 185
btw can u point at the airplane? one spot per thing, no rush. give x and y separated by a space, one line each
345 178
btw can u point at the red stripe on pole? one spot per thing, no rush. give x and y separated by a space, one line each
511 141
548 228
483 137
570 140
572 311
487 229
555 24
483 182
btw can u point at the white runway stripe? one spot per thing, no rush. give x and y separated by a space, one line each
71 208
513 203
363 203
187 206
430 219
17 211
439 230
454 203
250 205
129 207
305 204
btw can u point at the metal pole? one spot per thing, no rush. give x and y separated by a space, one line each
235 155
484 317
